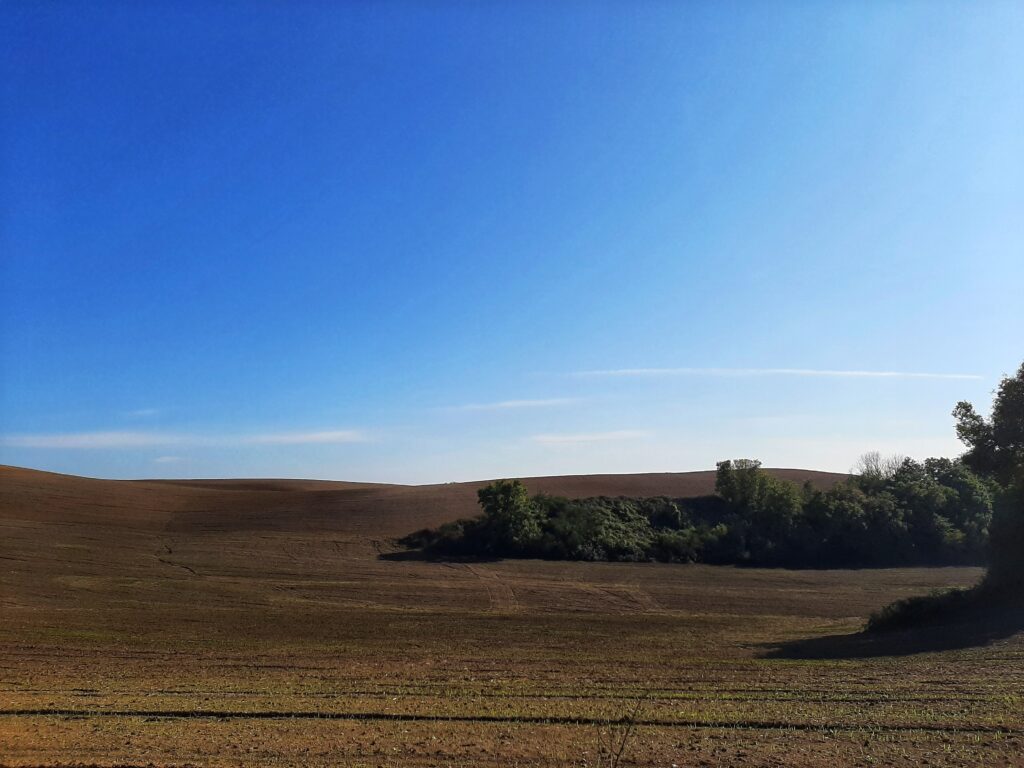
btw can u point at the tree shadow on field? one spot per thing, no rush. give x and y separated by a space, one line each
977 626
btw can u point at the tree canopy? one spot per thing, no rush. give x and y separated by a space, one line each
995 450
996 445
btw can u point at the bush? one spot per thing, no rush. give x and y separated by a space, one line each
915 611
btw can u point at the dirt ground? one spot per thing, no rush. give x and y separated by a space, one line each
264 623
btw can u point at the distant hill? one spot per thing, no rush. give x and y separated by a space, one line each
72 544
362 509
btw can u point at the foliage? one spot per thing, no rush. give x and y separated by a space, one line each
996 445
1007 565
915 611
596 529
983 604
936 512
996 452
873 469
511 523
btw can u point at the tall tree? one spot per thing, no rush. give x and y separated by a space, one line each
995 448
511 520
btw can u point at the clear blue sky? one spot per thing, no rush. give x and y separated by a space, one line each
428 242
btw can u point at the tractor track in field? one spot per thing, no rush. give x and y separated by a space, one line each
501 596
176 565
740 725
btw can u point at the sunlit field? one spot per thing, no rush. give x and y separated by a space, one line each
275 624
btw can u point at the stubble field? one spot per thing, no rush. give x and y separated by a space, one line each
273 623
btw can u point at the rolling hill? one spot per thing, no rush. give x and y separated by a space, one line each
254 622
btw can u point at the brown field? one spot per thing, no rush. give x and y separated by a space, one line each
216 623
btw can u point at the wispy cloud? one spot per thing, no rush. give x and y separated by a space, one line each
303 438
507 405
92 440
592 437
111 440
655 372
167 459
143 413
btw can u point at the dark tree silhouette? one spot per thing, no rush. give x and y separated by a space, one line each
996 450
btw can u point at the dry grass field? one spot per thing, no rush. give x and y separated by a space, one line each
269 623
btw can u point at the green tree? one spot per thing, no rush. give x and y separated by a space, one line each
511 522
740 482
995 446
774 519
969 506
995 449
767 510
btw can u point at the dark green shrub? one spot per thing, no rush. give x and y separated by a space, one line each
939 605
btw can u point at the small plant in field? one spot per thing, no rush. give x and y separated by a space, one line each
614 740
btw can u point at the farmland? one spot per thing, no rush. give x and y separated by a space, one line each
276 623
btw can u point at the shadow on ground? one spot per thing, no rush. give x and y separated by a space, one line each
971 629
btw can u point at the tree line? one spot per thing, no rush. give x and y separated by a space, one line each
891 512
937 512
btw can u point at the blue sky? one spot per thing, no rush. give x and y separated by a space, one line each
429 242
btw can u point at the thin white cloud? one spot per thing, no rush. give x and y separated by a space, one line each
143 413
304 438
592 437
112 440
507 405
655 372
92 440
167 459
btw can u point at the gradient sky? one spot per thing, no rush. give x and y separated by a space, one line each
443 241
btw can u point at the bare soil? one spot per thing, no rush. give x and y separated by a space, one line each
223 623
